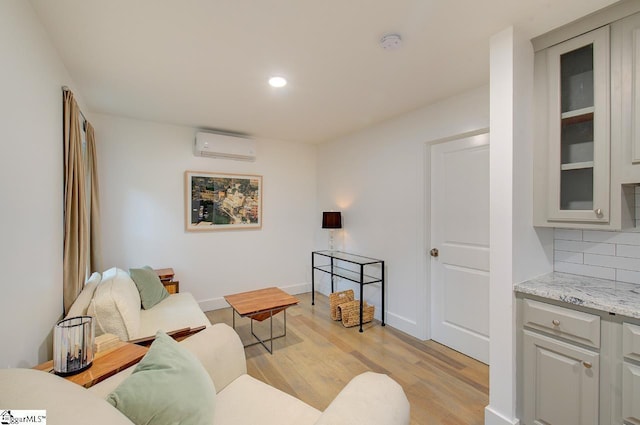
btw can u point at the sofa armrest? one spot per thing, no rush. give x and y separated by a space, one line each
371 399
218 348
220 351
178 335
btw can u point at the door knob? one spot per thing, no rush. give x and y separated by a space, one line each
434 252
588 365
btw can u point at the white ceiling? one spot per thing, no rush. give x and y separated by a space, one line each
205 63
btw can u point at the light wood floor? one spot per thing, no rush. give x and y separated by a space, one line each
318 357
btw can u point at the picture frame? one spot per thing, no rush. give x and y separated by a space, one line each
222 201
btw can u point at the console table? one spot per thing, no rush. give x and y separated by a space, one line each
354 268
105 364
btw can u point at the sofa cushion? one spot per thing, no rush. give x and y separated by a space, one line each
175 312
116 305
64 401
168 386
151 290
81 304
247 401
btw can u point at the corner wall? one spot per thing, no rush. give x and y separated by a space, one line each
142 165
377 178
31 186
518 250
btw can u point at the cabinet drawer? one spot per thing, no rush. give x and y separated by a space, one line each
631 341
562 322
631 393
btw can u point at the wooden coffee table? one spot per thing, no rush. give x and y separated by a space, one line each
260 305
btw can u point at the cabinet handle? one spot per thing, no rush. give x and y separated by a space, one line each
555 322
598 212
588 365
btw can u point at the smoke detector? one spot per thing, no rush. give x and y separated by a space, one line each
391 41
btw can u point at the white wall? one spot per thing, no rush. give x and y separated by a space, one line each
31 161
142 167
377 178
518 251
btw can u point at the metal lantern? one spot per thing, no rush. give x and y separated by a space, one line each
73 345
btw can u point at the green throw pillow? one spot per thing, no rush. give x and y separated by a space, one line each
168 386
152 291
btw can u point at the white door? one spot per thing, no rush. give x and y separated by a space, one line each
460 245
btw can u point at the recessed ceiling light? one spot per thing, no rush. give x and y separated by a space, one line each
277 81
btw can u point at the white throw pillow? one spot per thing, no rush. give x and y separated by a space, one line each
81 304
116 305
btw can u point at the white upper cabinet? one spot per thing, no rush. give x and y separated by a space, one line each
572 86
587 121
625 99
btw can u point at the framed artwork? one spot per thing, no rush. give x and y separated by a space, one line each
217 201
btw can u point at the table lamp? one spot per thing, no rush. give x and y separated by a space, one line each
331 220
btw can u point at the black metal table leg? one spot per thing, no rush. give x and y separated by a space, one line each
313 280
382 283
361 294
332 290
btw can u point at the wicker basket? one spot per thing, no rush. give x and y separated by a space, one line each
337 298
351 313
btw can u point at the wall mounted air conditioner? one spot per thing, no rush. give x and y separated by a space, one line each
215 145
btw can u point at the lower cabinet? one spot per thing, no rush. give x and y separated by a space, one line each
631 393
576 366
561 382
631 374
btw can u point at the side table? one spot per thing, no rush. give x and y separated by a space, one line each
105 364
166 277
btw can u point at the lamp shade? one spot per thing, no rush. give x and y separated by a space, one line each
331 220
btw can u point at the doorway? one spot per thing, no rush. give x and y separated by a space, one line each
460 244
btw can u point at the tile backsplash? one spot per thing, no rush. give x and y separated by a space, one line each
607 255
597 253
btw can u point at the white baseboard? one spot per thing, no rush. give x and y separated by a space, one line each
491 417
401 323
394 320
300 288
218 303
213 304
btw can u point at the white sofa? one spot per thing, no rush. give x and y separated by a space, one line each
369 398
114 301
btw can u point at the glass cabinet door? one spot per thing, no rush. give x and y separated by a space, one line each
578 73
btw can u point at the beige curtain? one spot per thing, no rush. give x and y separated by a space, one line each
95 238
82 239
76 234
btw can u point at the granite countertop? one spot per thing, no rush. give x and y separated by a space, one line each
600 294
